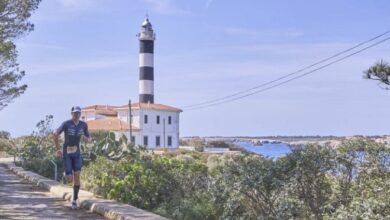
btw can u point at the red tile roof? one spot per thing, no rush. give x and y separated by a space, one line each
109 124
98 107
111 110
149 106
107 112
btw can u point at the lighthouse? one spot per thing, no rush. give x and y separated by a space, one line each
146 71
153 125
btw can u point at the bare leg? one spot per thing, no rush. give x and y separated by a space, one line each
76 185
69 178
76 177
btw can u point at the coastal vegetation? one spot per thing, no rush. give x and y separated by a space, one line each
311 182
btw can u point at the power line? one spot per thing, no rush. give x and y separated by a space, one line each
294 78
284 76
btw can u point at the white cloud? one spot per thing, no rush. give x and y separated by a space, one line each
165 7
288 32
73 66
77 4
208 3
250 65
41 46
59 10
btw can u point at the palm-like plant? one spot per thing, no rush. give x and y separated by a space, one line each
379 71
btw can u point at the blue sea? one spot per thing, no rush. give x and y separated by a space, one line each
267 150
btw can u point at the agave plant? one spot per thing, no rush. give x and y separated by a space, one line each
106 144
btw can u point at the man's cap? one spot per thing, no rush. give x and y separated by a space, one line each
76 109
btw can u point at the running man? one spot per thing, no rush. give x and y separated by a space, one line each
73 130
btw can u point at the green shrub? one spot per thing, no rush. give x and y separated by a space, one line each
149 184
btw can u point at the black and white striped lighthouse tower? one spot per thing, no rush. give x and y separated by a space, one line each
146 73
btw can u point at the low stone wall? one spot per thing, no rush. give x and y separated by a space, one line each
107 208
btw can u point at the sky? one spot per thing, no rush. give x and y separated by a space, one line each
85 52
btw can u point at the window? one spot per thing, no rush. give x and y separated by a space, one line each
145 140
158 141
158 119
169 120
169 141
133 139
145 119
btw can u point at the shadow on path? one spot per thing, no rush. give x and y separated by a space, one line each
22 200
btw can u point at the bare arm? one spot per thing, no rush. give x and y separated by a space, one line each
56 140
58 152
56 134
87 136
87 139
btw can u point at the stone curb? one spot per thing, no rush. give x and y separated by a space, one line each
107 208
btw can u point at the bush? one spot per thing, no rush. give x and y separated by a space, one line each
5 144
44 167
311 182
165 185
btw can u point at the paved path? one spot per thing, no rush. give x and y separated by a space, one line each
21 200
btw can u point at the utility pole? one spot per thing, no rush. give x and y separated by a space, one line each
164 131
131 140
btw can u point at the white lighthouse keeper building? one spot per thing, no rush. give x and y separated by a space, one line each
153 125
158 124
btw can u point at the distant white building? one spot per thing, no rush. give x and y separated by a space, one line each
152 125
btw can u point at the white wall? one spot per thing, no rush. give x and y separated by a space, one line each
152 129
86 116
124 116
